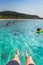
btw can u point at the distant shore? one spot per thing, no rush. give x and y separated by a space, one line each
21 19
12 15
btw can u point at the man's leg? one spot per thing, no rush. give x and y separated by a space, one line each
29 60
16 57
15 60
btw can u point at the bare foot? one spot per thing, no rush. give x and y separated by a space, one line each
17 52
26 53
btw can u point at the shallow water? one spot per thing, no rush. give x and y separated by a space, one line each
21 34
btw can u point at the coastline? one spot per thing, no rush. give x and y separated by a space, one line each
21 19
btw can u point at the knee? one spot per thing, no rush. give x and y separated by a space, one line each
30 58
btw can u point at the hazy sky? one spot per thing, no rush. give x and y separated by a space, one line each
34 7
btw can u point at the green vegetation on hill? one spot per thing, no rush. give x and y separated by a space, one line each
16 15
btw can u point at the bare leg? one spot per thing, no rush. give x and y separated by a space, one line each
29 59
16 57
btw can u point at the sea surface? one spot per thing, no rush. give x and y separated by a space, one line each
22 35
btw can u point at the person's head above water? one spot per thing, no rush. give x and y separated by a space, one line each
39 30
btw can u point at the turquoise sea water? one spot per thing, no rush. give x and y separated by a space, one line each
21 34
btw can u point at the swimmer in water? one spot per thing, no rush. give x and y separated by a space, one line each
16 60
39 30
